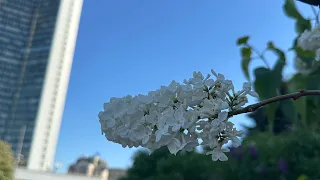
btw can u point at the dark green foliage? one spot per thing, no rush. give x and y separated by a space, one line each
264 156
6 162
284 156
283 116
161 165
307 107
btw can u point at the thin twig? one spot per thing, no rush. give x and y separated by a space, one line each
261 56
293 96
316 14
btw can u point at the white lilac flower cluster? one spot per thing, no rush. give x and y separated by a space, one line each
178 116
310 41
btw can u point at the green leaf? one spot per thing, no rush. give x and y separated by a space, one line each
242 40
302 177
281 62
302 25
246 58
266 85
307 58
313 102
294 44
271 113
290 9
304 53
289 110
296 83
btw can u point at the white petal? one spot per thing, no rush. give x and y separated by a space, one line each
253 94
158 135
225 150
173 146
105 115
126 121
145 139
318 54
111 122
236 142
176 127
224 105
246 86
222 116
209 82
145 99
107 106
198 85
176 142
214 157
222 78
207 77
223 157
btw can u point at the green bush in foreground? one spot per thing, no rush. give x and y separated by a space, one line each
162 165
265 156
6 161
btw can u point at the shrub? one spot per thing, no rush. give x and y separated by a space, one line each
6 161
267 156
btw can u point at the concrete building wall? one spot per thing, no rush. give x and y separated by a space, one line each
37 42
53 96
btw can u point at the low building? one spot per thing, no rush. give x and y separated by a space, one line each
25 174
85 168
91 167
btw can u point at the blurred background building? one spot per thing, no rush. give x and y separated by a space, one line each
90 166
94 166
37 41
85 168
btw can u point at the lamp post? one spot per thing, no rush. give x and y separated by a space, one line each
20 144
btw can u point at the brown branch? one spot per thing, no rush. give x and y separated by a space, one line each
293 96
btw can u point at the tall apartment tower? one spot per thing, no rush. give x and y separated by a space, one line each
37 41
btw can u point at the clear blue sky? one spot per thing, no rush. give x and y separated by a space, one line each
134 46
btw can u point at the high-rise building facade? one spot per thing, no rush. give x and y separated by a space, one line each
37 41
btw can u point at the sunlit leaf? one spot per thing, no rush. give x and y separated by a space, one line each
302 25
281 62
302 177
242 40
246 58
291 10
